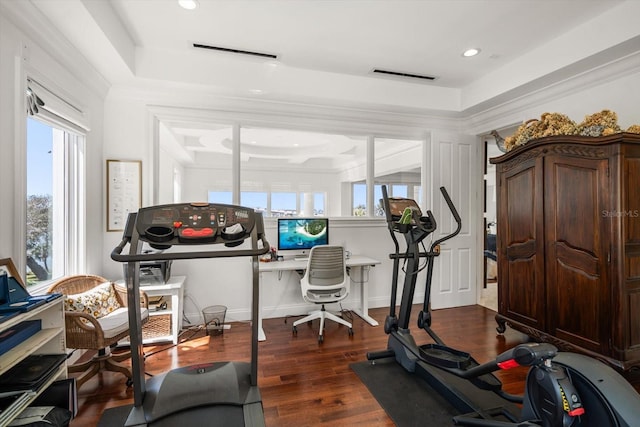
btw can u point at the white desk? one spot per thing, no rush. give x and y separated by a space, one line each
358 266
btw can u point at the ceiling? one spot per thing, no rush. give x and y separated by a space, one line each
325 50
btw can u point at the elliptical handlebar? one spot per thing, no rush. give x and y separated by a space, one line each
452 208
527 354
456 216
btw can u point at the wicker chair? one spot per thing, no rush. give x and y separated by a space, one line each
84 331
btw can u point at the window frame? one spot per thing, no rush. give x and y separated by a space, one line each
305 120
73 185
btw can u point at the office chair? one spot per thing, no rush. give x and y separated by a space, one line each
325 281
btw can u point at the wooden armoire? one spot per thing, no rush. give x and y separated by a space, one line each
568 240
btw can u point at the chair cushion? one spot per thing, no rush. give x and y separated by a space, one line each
97 302
118 321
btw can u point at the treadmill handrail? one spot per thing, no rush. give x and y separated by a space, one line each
116 254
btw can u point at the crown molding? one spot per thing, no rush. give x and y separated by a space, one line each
34 26
511 111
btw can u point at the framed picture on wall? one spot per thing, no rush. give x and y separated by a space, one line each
124 191
7 267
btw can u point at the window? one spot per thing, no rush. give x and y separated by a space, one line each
359 191
312 204
224 197
398 165
255 199
284 204
293 172
301 172
54 227
53 201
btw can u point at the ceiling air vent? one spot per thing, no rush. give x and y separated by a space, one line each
238 51
401 74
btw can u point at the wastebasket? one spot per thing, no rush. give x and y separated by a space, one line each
214 319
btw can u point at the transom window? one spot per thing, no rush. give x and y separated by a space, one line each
286 172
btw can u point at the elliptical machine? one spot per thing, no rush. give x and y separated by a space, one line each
562 389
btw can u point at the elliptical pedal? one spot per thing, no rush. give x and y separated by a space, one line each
444 356
457 362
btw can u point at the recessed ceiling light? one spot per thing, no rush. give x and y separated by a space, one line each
188 4
471 52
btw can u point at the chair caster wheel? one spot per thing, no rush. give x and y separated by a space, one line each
350 332
129 382
320 338
294 330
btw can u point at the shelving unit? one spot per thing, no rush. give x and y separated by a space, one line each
49 340
169 319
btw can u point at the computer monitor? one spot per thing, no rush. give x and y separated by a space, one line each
296 236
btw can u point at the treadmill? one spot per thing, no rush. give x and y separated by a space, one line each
209 393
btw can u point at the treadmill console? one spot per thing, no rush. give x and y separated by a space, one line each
194 224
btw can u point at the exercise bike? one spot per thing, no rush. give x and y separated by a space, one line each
561 389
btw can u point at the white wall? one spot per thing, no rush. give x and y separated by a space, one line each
615 88
37 53
620 95
227 282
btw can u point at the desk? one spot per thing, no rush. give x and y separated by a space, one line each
357 265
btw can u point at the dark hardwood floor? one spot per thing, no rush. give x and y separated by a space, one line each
302 382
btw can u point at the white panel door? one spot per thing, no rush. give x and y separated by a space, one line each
454 166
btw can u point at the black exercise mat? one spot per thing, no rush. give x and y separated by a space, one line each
407 399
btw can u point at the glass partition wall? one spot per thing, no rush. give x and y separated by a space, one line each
288 172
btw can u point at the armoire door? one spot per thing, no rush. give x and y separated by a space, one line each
577 275
521 287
